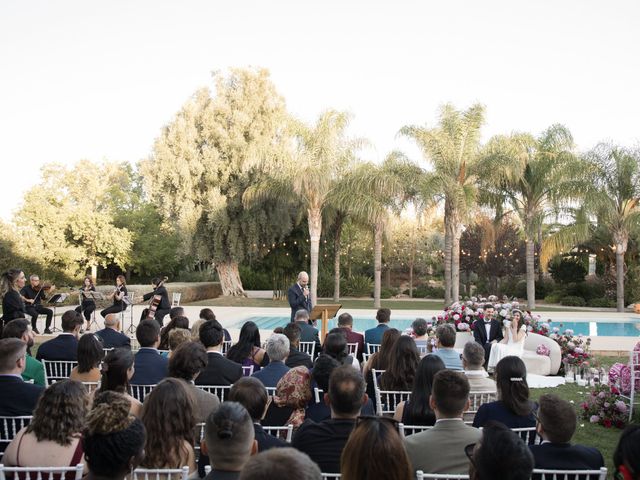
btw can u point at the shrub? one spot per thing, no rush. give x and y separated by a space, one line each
586 290
555 296
601 302
326 284
387 292
573 301
568 270
252 280
357 286
425 291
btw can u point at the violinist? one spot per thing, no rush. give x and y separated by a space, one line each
118 295
33 295
164 307
11 282
88 304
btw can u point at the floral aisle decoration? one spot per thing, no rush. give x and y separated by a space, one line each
605 407
574 350
620 375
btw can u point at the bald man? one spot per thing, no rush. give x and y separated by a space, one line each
110 334
298 295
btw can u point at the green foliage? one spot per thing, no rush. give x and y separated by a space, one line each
601 302
326 284
573 301
425 291
388 292
356 286
567 270
255 280
206 275
586 290
555 296
543 288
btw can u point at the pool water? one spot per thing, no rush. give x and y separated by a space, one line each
611 328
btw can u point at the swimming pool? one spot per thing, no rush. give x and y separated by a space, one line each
602 328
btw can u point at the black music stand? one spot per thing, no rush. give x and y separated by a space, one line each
54 301
129 302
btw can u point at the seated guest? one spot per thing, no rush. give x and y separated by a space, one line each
281 463
335 345
117 370
65 345
324 441
374 335
626 458
308 333
556 426
381 359
168 414
176 322
296 358
110 335
417 411
53 438
207 314
445 341
219 370
248 352
277 350
513 407
472 362
150 366
441 449
21 328
186 363
375 450
501 454
345 323
402 366
322 369
177 337
420 329
293 394
228 441
18 397
176 312
90 355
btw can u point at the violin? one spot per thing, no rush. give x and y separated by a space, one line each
46 286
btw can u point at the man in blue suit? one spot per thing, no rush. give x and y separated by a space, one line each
278 350
298 295
65 345
18 398
374 335
110 335
150 366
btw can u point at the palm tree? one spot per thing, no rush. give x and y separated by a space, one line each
611 199
451 148
532 175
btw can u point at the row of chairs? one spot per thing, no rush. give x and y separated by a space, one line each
543 474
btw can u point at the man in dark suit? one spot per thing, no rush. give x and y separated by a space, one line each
65 345
150 367
111 336
164 307
374 335
345 323
487 330
556 426
308 333
18 398
298 295
278 349
296 358
219 370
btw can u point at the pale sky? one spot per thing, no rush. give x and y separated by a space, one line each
98 79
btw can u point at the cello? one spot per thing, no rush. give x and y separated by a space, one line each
150 312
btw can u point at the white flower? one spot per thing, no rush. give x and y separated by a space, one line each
506 323
456 316
503 313
545 325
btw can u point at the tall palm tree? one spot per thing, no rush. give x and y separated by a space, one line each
531 176
452 150
611 199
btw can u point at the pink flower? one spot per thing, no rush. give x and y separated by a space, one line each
594 419
621 406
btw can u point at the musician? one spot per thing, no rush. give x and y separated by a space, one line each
118 295
88 304
33 295
164 307
11 282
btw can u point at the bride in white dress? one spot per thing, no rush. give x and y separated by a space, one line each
513 342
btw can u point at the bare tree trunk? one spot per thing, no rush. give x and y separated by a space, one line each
540 269
94 273
531 274
230 279
336 257
315 230
411 280
448 238
377 263
455 265
621 248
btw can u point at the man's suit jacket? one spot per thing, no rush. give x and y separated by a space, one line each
62 347
219 371
150 367
309 333
18 397
354 337
113 339
441 449
480 332
374 335
564 456
271 374
297 300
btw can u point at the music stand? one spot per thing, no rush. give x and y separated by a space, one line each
324 313
129 302
55 300
95 296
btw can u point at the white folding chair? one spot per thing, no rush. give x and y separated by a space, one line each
387 400
475 400
529 435
56 370
271 391
163 473
372 348
91 386
406 430
140 391
41 473
247 370
9 427
352 349
199 436
222 391
545 474
285 432
226 345
331 476
175 299
308 347
632 398
365 357
318 393
440 476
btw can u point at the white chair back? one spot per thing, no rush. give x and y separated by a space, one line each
56 370
222 391
199 436
529 435
365 357
140 391
632 398
309 348
271 391
247 370
475 400
440 476
318 393
387 400
352 349
286 432
175 299
160 473
372 348
41 473
226 345
9 427
331 476
91 386
544 474
406 430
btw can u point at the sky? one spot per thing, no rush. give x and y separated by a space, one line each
97 80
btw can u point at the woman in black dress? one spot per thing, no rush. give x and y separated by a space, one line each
12 303
118 294
88 303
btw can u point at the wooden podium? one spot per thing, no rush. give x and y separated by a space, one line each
324 313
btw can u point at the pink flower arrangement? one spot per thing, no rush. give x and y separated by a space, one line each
542 349
605 407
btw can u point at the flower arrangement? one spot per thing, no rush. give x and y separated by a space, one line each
574 349
620 374
542 349
605 407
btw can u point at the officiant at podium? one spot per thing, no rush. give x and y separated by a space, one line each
299 296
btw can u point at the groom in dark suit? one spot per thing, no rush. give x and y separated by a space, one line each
298 295
487 330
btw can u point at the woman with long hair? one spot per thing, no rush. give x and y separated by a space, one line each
335 345
90 355
117 370
375 451
118 295
168 415
513 407
248 351
380 360
88 304
417 411
11 282
53 436
176 322
514 332
402 366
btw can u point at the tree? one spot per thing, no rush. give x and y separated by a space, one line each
204 161
452 149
